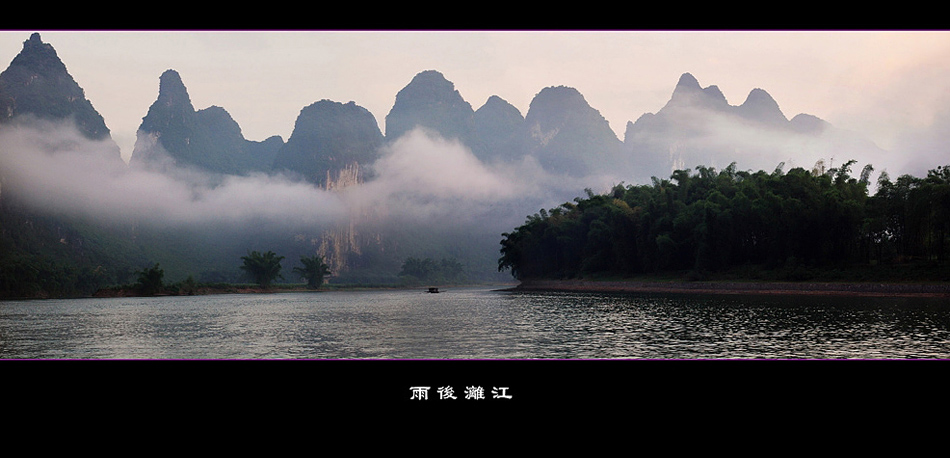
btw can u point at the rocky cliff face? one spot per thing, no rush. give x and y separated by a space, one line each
331 146
339 245
173 132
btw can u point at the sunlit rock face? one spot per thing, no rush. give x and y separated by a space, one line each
339 244
208 140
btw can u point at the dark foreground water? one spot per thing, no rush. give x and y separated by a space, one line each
476 323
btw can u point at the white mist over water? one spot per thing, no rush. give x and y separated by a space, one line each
424 177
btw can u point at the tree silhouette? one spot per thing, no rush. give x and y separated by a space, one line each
262 268
150 280
313 270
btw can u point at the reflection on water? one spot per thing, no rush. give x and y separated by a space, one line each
475 323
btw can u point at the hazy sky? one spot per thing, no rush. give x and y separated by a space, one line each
876 82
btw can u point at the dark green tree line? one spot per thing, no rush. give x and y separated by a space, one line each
712 221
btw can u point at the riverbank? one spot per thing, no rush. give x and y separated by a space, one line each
200 291
700 287
226 288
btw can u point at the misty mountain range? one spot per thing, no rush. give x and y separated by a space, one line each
438 158
560 130
699 127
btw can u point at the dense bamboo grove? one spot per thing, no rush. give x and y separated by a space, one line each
706 221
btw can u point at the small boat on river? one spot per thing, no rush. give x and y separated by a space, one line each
433 290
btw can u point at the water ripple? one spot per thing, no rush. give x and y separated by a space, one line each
475 323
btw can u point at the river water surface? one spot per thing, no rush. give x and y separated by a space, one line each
476 323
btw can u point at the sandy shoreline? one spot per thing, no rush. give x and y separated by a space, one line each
809 288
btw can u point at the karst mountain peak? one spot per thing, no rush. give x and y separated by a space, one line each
37 86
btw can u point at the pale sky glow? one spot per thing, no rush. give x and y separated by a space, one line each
878 83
